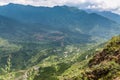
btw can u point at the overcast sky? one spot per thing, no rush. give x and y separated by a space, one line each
109 5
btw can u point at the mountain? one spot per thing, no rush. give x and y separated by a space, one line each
110 15
17 31
62 18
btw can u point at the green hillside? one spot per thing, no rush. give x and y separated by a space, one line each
21 58
72 62
57 43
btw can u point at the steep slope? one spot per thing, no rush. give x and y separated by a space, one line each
110 52
106 64
110 15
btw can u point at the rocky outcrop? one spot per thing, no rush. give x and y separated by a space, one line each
105 64
109 53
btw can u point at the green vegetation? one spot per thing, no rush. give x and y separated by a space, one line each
58 43
68 62
34 61
105 64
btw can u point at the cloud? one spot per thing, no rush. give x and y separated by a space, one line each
109 5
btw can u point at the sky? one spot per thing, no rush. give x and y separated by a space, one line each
106 5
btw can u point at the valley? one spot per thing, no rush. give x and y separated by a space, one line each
58 43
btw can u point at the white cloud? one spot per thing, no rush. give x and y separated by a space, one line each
113 5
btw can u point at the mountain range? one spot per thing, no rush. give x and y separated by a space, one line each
61 19
58 43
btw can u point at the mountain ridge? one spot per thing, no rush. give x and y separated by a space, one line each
62 18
